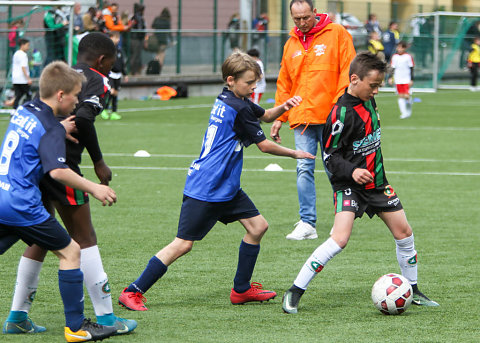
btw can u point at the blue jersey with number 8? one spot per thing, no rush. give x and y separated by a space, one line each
29 150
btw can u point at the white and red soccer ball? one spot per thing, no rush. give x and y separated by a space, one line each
392 294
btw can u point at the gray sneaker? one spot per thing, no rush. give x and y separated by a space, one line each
422 300
290 302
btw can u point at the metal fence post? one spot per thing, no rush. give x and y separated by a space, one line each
179 37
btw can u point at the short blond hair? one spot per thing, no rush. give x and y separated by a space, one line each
238 63
58 76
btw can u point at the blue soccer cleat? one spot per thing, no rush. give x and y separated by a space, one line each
122 325
26 326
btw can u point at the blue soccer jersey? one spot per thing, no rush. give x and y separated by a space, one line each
234 123
29 150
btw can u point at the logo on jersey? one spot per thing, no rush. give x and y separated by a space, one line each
319 49
389 192
337 127
367 144
61 159
297 53
259 133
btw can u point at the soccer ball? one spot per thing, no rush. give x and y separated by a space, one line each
392 294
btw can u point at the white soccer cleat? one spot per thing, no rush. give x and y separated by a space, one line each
405 116
302 231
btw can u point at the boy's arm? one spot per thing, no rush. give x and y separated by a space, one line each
270 147
87 135
336 141
68 177
273 113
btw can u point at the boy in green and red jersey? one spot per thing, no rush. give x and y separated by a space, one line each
354 163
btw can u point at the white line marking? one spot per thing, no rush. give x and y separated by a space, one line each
293 171
266 157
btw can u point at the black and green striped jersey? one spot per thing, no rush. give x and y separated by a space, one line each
351 140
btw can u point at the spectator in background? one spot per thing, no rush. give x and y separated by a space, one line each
233 28
115 79
55 21
390 39
260 24
375 45
21 73
37 63
14 36
473 63
261 83
112 20
91 19
77 18
472 32
137 39
163 39
372 24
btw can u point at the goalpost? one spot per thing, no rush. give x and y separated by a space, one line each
29 15
440 43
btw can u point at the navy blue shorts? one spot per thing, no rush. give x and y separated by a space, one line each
49 235
198 217
367 201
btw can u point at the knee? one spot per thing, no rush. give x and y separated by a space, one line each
184 247
260 229
72 253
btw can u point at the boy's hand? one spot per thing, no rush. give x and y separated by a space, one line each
105 195
69 125
275 131
292 102
303 154
362 176
103 172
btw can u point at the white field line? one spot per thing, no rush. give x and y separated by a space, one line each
269 157
288 171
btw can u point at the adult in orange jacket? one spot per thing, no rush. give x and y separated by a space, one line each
315 65
112 20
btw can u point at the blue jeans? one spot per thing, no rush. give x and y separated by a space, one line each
308 141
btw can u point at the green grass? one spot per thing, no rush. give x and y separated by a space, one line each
432 160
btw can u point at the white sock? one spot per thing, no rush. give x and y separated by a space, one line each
26 286
407 258
408 105
316 262
96 281
402 104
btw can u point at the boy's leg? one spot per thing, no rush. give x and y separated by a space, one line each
132 297
26 284
77 220
340 234
406 253
70 282
242 291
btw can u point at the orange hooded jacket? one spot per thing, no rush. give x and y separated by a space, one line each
314 66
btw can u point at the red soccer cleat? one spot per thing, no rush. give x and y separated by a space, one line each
133 301
255 293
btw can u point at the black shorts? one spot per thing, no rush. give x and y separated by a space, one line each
54 190
198 217
115 83
49 235
370 201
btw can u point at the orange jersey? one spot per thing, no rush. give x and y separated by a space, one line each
319 74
